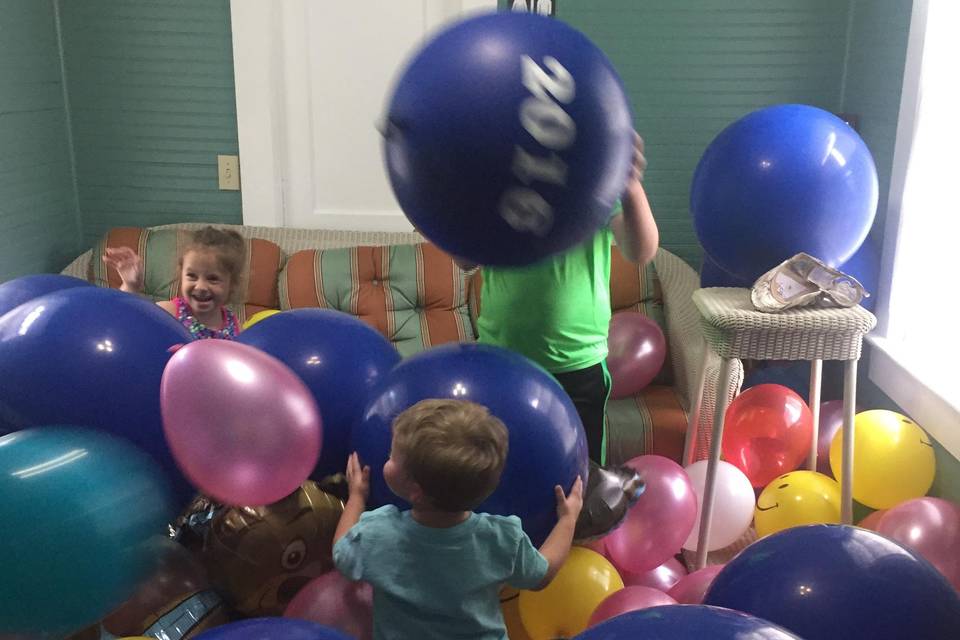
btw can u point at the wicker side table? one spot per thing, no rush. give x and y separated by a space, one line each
734 330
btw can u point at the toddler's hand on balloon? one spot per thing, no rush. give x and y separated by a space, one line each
568 506
358 477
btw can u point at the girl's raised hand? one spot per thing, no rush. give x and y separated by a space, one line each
128 264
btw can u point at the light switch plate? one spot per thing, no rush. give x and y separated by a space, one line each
228 168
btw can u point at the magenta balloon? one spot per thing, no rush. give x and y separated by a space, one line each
662 578
692 587
241 425
831 419
658 524
636 351
336 602
931 527
626 600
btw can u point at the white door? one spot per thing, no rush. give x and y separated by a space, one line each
312 80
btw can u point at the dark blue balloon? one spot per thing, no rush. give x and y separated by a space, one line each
793 375
711 275
865 267
547 443
508 138
339 358
272 629
15 292
79 514
685 622
782 180
825 582
92 357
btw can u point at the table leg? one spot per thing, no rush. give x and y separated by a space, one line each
716 438
849 410
693 422
816 374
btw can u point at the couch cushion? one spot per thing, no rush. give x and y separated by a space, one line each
161 249
413 294
652 422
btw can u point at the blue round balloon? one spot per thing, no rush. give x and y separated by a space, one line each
272 629
825 582
779 181
864 265
685 622
79 513
793 375
711 275
91 357
339 358
547 443
15 292
508 138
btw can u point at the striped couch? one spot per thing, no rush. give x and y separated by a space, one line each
417 297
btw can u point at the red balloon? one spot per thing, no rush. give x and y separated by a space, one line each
692 587
626 600
636 351
931 527
872 520
662 578
336 602
767 432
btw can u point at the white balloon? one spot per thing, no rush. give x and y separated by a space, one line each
732 505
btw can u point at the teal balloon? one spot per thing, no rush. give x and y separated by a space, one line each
79 514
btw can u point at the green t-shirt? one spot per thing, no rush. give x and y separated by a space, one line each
555 312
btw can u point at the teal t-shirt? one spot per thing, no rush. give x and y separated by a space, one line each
557 311
442 584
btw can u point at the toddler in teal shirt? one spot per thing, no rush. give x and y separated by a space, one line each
437 569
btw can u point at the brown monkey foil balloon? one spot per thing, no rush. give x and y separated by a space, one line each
259 557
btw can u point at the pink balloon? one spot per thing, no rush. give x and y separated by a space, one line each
662 578
872 520
691 588
931 527
628 599
336 602
657 525
637 350
831 419
241 425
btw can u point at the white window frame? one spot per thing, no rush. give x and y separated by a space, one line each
892 367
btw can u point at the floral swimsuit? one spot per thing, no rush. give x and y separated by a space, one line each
201 331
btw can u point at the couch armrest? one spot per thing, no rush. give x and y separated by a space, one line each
80 267
687 345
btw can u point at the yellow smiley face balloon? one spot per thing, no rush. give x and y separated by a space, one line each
562 610
893 459
797 498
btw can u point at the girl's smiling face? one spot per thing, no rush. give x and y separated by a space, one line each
204 283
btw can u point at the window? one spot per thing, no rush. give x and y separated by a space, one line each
916 356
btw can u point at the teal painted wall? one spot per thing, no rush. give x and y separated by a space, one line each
873 79
692 67
152 102
38 213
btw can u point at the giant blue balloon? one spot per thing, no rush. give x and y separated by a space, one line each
711 275
779 181
825 582
339 357
508 138
272 629
78 513
547 442
91 357
685 622
15 292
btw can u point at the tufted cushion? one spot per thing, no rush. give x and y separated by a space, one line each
413 294
651 422
161 250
